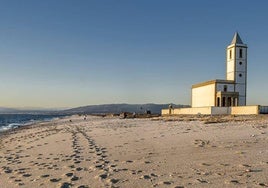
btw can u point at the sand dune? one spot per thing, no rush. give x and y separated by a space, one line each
111 152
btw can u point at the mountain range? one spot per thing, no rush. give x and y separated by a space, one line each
118 108
96 109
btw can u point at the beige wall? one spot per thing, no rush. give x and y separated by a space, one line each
245 110
237 110
166 111
200 110
203 96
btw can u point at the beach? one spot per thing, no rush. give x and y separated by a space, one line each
229 151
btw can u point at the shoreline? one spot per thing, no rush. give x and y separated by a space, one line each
155 152
29 123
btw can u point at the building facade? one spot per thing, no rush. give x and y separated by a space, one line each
229 92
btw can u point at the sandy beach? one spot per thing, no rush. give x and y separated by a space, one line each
160 152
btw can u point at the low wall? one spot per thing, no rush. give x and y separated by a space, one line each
166 111
220 110
244 110
211 110
198 110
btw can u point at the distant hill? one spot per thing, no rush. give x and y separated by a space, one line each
7 110
118 108
4 110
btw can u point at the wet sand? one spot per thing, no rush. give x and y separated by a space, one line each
161 152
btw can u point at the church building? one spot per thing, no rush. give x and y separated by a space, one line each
229 92
223 96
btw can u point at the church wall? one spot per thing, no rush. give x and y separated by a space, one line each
230 87
203 96
240 67
244 52
230 67
241 79
242 101
230 76
241 88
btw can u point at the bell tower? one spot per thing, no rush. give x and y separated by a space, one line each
236 61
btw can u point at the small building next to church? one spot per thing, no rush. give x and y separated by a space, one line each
223 96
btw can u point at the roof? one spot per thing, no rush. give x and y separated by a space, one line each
237 39
212 82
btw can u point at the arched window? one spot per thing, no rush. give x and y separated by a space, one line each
218 101
230 54
240 63
223 101
240 75
240 53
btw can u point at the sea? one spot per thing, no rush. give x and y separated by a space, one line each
12 121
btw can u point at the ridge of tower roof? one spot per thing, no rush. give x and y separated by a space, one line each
237 39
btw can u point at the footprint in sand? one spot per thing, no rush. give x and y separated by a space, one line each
113 180
54 180
103 176
202 180
70 174
44 175
83 186
146 177
27 175
201 143
129 161
167 182
65 185
75 178
234 181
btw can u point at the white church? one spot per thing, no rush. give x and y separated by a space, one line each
229 92
227 96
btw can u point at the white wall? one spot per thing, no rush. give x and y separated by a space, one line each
241 88
230 69
241 79
242 101
203 96
242 67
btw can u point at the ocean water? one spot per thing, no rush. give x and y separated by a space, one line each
11 121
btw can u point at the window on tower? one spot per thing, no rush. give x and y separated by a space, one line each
240 63
230 54
240 75
240 53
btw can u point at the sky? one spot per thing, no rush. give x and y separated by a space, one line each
67 53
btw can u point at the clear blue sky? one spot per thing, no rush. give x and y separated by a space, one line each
61 53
